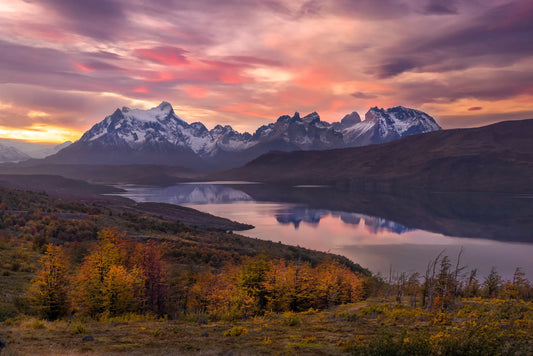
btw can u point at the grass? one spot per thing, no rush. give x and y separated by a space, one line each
489 326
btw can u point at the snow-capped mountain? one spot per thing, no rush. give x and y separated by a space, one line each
11 154
33 149
159 136
382 126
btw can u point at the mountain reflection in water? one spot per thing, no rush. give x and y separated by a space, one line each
375 225
375 230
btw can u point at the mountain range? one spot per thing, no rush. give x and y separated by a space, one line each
497 157
159 136
17 151
11 154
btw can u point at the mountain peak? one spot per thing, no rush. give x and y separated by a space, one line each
12 154
351 119
154 114
310 118
399 122
158 135
165 105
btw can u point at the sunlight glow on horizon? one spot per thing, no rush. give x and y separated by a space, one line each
40 134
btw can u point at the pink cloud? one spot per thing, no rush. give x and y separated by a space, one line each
195 92
141 90
171 56
84 68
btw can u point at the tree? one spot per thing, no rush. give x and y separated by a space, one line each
252 277
105 282
520 284
123 290
445 283
428 290
472 286
149 259
492 283
50 288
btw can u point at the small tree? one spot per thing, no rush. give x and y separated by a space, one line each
252 278
149 259
520 284
472 287
492 283
49 291
104 280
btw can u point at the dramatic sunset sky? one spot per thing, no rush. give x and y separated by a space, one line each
66 64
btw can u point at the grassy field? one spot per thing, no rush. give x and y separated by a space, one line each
475 327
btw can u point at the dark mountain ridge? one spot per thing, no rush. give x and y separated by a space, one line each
496 157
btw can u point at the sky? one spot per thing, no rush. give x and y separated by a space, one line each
66 64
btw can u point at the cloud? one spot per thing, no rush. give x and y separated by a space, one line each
171 56
475 108
247 62
439 7
483 84
366 9
100 19
497 37
395 67
361 95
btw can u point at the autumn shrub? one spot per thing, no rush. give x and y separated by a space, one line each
291 319
351 316
37 324
236 331
387 343
405 315
79 328
374 309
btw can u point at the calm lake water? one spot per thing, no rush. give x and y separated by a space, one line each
376 231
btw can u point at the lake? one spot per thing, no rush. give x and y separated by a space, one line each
378 231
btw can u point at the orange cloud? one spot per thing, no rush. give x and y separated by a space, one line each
336 105
314 78
195 92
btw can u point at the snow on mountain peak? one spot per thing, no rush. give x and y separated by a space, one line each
399 122
159 131
160 112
